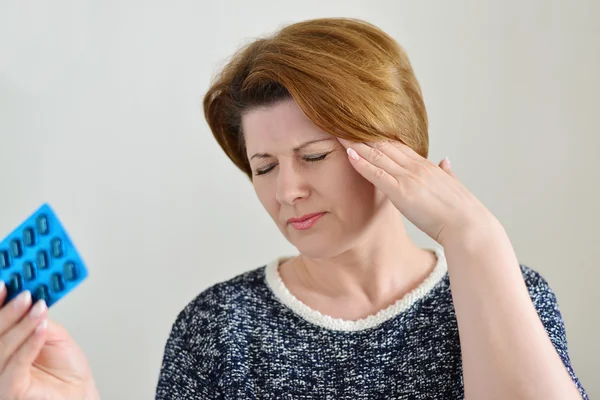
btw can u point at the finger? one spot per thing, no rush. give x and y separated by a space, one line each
401 153
3 293
15 337
25 355
18 370
447 167
14 310
374 156
377 176
396 147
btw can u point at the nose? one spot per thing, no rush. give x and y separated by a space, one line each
291 184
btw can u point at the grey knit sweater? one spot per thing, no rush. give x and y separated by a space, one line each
250 338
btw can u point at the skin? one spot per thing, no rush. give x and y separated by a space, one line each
358 254
38 358
358 258
506 352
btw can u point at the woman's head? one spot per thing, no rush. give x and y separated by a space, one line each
314 81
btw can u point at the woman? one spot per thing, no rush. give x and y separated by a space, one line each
327 120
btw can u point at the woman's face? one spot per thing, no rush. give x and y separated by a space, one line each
300 171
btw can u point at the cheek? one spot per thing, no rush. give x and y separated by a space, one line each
342 182
266 195
345 173
356 199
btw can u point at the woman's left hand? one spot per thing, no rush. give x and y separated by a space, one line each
428 195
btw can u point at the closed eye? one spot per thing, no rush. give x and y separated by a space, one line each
316 157
311 158
265 170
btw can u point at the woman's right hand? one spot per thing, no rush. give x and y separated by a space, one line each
38 358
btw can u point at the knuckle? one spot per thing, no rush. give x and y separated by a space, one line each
379 173
401 189
375 154
3 350
380 144
421 169
410 187
2 343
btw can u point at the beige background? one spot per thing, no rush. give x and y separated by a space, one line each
100 116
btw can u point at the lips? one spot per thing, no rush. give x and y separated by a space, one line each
304 217
306 221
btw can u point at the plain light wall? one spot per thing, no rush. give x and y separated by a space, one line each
100 115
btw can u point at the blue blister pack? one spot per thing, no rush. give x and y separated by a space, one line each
39 256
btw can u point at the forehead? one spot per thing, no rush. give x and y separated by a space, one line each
281 126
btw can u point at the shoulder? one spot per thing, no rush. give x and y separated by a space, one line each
542 295
190 365
221 294
546 304
539 289
533 279
204 316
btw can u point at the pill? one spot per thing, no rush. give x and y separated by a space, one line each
41 293
14 284
56 283
4 259
28 271
41 224
28 237
42 259
70 271
15 248
56 246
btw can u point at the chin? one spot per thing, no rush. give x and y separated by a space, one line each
321 245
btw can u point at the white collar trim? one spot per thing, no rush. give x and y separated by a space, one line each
281 292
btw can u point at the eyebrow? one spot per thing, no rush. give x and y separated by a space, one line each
296 149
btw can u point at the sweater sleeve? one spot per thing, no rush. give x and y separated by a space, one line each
545 302
188 366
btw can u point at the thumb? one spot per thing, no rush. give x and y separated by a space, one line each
447 167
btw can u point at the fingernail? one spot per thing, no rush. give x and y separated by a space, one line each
22 299
448 161
42 326
353 154
38 309
2 286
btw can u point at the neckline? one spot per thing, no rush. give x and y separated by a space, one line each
281 292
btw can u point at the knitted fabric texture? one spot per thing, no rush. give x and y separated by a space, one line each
250 338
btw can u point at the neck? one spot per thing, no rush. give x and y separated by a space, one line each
381 267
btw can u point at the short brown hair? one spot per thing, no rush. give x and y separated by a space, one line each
350 79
